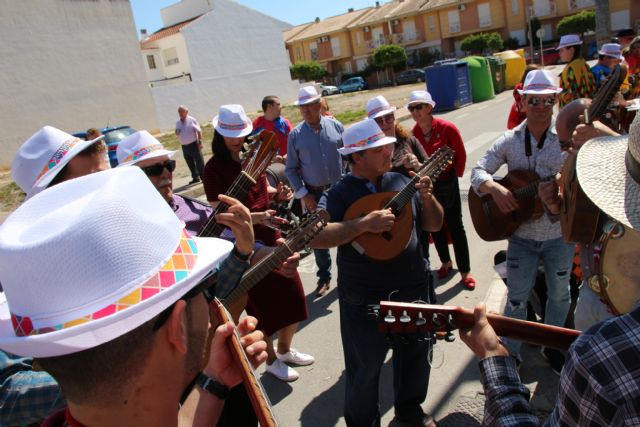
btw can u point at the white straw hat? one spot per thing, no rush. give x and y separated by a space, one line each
539 82
43 156
378 107
613 50
232 121
362 136
420 97
92 259
609 173
569 40
307 95
140 146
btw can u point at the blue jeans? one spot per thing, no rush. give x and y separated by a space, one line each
523 258
322 256
365 348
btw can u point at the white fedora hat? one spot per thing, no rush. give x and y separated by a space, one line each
379 106
232 121
92 259
569 40
609 173
140 146
420 97
613 50
43 156
307 95
539 82
362 136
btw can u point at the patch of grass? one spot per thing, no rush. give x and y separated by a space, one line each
349 116
10 196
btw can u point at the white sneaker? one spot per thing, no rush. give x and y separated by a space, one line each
295 357
282 371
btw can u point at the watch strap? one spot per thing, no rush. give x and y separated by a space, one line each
212 386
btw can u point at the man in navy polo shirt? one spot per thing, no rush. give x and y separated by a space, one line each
363 281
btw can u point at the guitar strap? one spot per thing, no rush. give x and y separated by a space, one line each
527 141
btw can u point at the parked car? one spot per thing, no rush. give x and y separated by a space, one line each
112 136
414 75
353 84
326 90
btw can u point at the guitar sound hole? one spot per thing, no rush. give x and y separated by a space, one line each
387 236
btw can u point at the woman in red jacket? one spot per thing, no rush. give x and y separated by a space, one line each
433 133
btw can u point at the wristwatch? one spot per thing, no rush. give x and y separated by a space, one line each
212 386
241 257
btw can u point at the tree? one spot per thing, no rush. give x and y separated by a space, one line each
389 56
479 43
534 26
309 70
579 23
603 26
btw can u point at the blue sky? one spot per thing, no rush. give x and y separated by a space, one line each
147 12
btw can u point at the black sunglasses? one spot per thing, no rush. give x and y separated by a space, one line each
416 107
386 118
206 287
548 101
157 169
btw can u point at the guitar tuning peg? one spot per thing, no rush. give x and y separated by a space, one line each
405 318
435 320
373 311
420 321
449 337
389 318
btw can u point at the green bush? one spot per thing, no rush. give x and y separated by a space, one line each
481 43
309 70
579 23
389 55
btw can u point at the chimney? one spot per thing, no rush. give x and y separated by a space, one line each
377 4
350 10
317 20
143 33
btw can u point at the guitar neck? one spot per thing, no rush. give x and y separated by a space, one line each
443 318
238 190
257 395
604 96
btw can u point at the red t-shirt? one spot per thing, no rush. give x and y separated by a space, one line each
283 138
444 133
218 177
515 115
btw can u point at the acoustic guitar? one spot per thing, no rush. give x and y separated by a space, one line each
420 319
389 244
297 240
490 222
257 156
257 395
579 216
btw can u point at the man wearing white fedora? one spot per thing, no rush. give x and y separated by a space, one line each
124 336
313 165
363 281
533 146
600 382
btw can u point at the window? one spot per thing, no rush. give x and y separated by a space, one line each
454 21
298 53
620 20
358 39
484 14
335 46
410 30
171 56
361 64
432 23
514 7
151 62
347 67
575 4
313 47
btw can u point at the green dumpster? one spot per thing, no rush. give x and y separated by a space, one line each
481 82
498 70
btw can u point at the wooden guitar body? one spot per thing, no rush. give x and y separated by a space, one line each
395 240
491 223
578 215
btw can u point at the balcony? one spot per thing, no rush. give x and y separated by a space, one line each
406 37
454 27
314 55
485 22
372 44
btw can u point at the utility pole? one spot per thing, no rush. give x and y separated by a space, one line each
530 32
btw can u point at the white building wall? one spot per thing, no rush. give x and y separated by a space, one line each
185 9
70 64
237 56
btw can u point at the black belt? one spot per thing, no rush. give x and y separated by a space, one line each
318 188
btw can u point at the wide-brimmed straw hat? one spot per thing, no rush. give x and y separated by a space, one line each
539 82
609 173
613 50
378 107
362 136
420 97
140 146
232 121
92 259
569 40
41 158
307 95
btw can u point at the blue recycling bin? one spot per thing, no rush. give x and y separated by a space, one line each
449 84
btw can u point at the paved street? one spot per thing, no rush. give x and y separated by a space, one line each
454 392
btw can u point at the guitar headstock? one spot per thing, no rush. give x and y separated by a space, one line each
259 152
438 162
605 94
411 318
308 229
